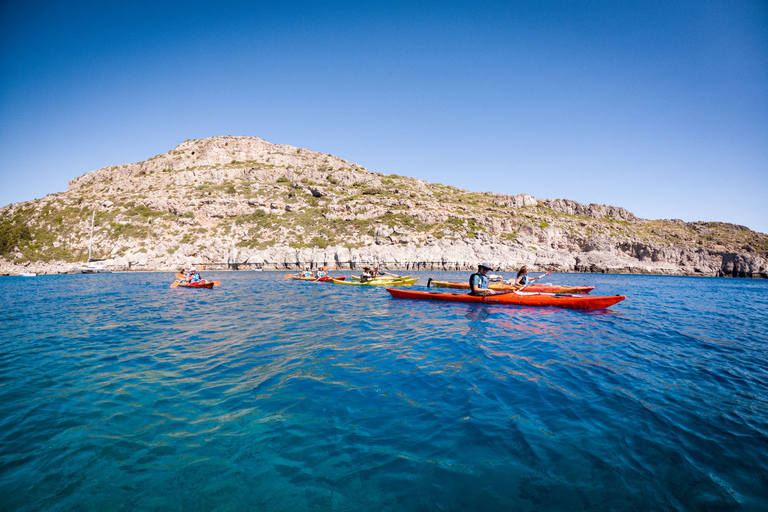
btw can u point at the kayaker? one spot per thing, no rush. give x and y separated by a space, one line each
522 280
193 277
367 275
307 272
478 282
322 272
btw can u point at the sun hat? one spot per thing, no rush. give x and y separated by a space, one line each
485 265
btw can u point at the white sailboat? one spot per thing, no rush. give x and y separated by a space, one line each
91 267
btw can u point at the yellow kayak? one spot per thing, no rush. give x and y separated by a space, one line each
380 282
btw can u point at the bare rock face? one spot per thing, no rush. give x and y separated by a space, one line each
241 202
743 265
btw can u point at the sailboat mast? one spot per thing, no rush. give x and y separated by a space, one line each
91 242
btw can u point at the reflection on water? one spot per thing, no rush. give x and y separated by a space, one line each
273 395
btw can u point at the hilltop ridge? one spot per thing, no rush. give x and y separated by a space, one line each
238 202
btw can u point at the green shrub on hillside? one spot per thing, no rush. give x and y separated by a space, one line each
320 242
13 233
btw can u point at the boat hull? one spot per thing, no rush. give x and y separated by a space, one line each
324 279
201 284
535 299
388 282
545 288
92 270
385 277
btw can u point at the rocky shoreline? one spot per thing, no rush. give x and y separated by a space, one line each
453 256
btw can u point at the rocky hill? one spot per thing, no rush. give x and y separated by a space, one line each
241 202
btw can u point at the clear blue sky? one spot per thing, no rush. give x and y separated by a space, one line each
658 107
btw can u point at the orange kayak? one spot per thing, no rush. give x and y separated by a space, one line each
521 299
545 288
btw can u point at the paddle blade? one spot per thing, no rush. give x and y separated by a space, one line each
216 283
288 276
174 284
179 275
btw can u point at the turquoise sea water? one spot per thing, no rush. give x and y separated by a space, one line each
118 393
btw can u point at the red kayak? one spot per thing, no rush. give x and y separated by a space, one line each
316 279
199 284
518 298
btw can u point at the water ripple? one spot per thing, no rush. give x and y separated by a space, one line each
264 394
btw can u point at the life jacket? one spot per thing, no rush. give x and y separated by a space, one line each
481 283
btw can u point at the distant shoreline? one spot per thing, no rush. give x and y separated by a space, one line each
296 268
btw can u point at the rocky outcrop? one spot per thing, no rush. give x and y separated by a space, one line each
438 255
241 202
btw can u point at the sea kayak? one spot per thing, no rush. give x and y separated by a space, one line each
547 288
384 277
321 279
199 284
376 282
521 298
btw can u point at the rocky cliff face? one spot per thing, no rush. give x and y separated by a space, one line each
239 202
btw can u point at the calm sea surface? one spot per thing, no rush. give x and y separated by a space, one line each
119 393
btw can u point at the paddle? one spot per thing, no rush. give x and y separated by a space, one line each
179 276
519 289
530 280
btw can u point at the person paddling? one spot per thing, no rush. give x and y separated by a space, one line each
193 277
478 282
322 272
307 272
367 275
522 280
